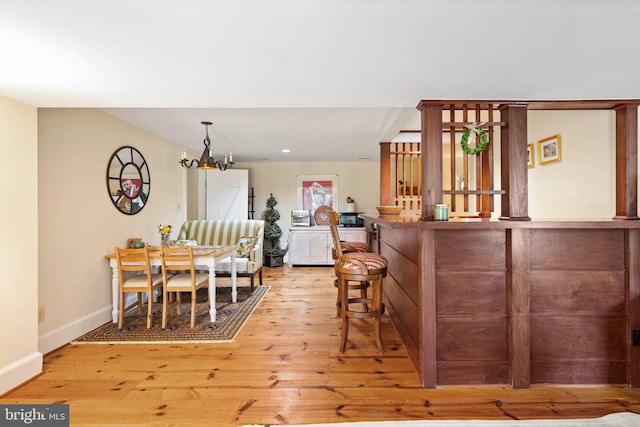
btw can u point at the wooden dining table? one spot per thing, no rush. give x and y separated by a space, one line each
205 258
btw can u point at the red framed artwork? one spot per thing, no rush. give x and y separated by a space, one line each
317 190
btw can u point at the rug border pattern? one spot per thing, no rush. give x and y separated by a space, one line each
226 332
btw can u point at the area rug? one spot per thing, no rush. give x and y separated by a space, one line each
620 419
229 320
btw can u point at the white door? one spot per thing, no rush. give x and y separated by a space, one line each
228 194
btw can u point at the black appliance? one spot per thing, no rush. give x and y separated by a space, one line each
351 219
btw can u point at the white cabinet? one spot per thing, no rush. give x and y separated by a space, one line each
312 245
309 247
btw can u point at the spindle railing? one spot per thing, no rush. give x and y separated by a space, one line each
468 179
401 183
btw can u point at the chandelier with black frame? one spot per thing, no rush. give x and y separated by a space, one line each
207 162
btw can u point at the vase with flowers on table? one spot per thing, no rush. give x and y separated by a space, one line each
165 231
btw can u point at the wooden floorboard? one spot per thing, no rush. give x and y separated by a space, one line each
284 368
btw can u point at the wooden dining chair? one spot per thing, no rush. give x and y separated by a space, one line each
136 262
179 275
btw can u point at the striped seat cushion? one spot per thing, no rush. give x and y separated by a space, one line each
370 260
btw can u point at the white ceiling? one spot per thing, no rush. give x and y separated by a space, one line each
327 79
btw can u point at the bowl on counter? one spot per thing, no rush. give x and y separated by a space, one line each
389 210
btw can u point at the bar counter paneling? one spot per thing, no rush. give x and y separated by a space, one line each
514 302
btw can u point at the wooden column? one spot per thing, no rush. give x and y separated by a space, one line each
633 305
515 173
428 357
431 159
385 173
486 203
627 161
519 307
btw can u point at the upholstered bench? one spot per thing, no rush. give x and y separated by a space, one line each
249 233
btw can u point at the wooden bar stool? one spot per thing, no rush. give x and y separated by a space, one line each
339 249
363 268
357 271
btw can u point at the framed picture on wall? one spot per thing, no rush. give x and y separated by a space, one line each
317 190
531 157
549 149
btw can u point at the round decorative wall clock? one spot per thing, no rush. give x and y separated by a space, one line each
128 180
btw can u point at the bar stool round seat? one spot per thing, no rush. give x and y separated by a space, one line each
372 261
361 267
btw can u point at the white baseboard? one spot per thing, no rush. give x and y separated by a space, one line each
20 371
67 333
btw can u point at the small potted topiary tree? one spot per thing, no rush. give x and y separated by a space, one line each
273 253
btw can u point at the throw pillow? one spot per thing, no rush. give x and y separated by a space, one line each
245 246
191 242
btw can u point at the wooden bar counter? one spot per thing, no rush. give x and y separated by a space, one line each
482 301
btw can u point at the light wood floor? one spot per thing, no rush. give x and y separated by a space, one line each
284 368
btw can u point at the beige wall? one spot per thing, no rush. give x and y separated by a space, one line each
19 358
581 185
360 180
78 222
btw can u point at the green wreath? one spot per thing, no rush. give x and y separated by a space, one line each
484 139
